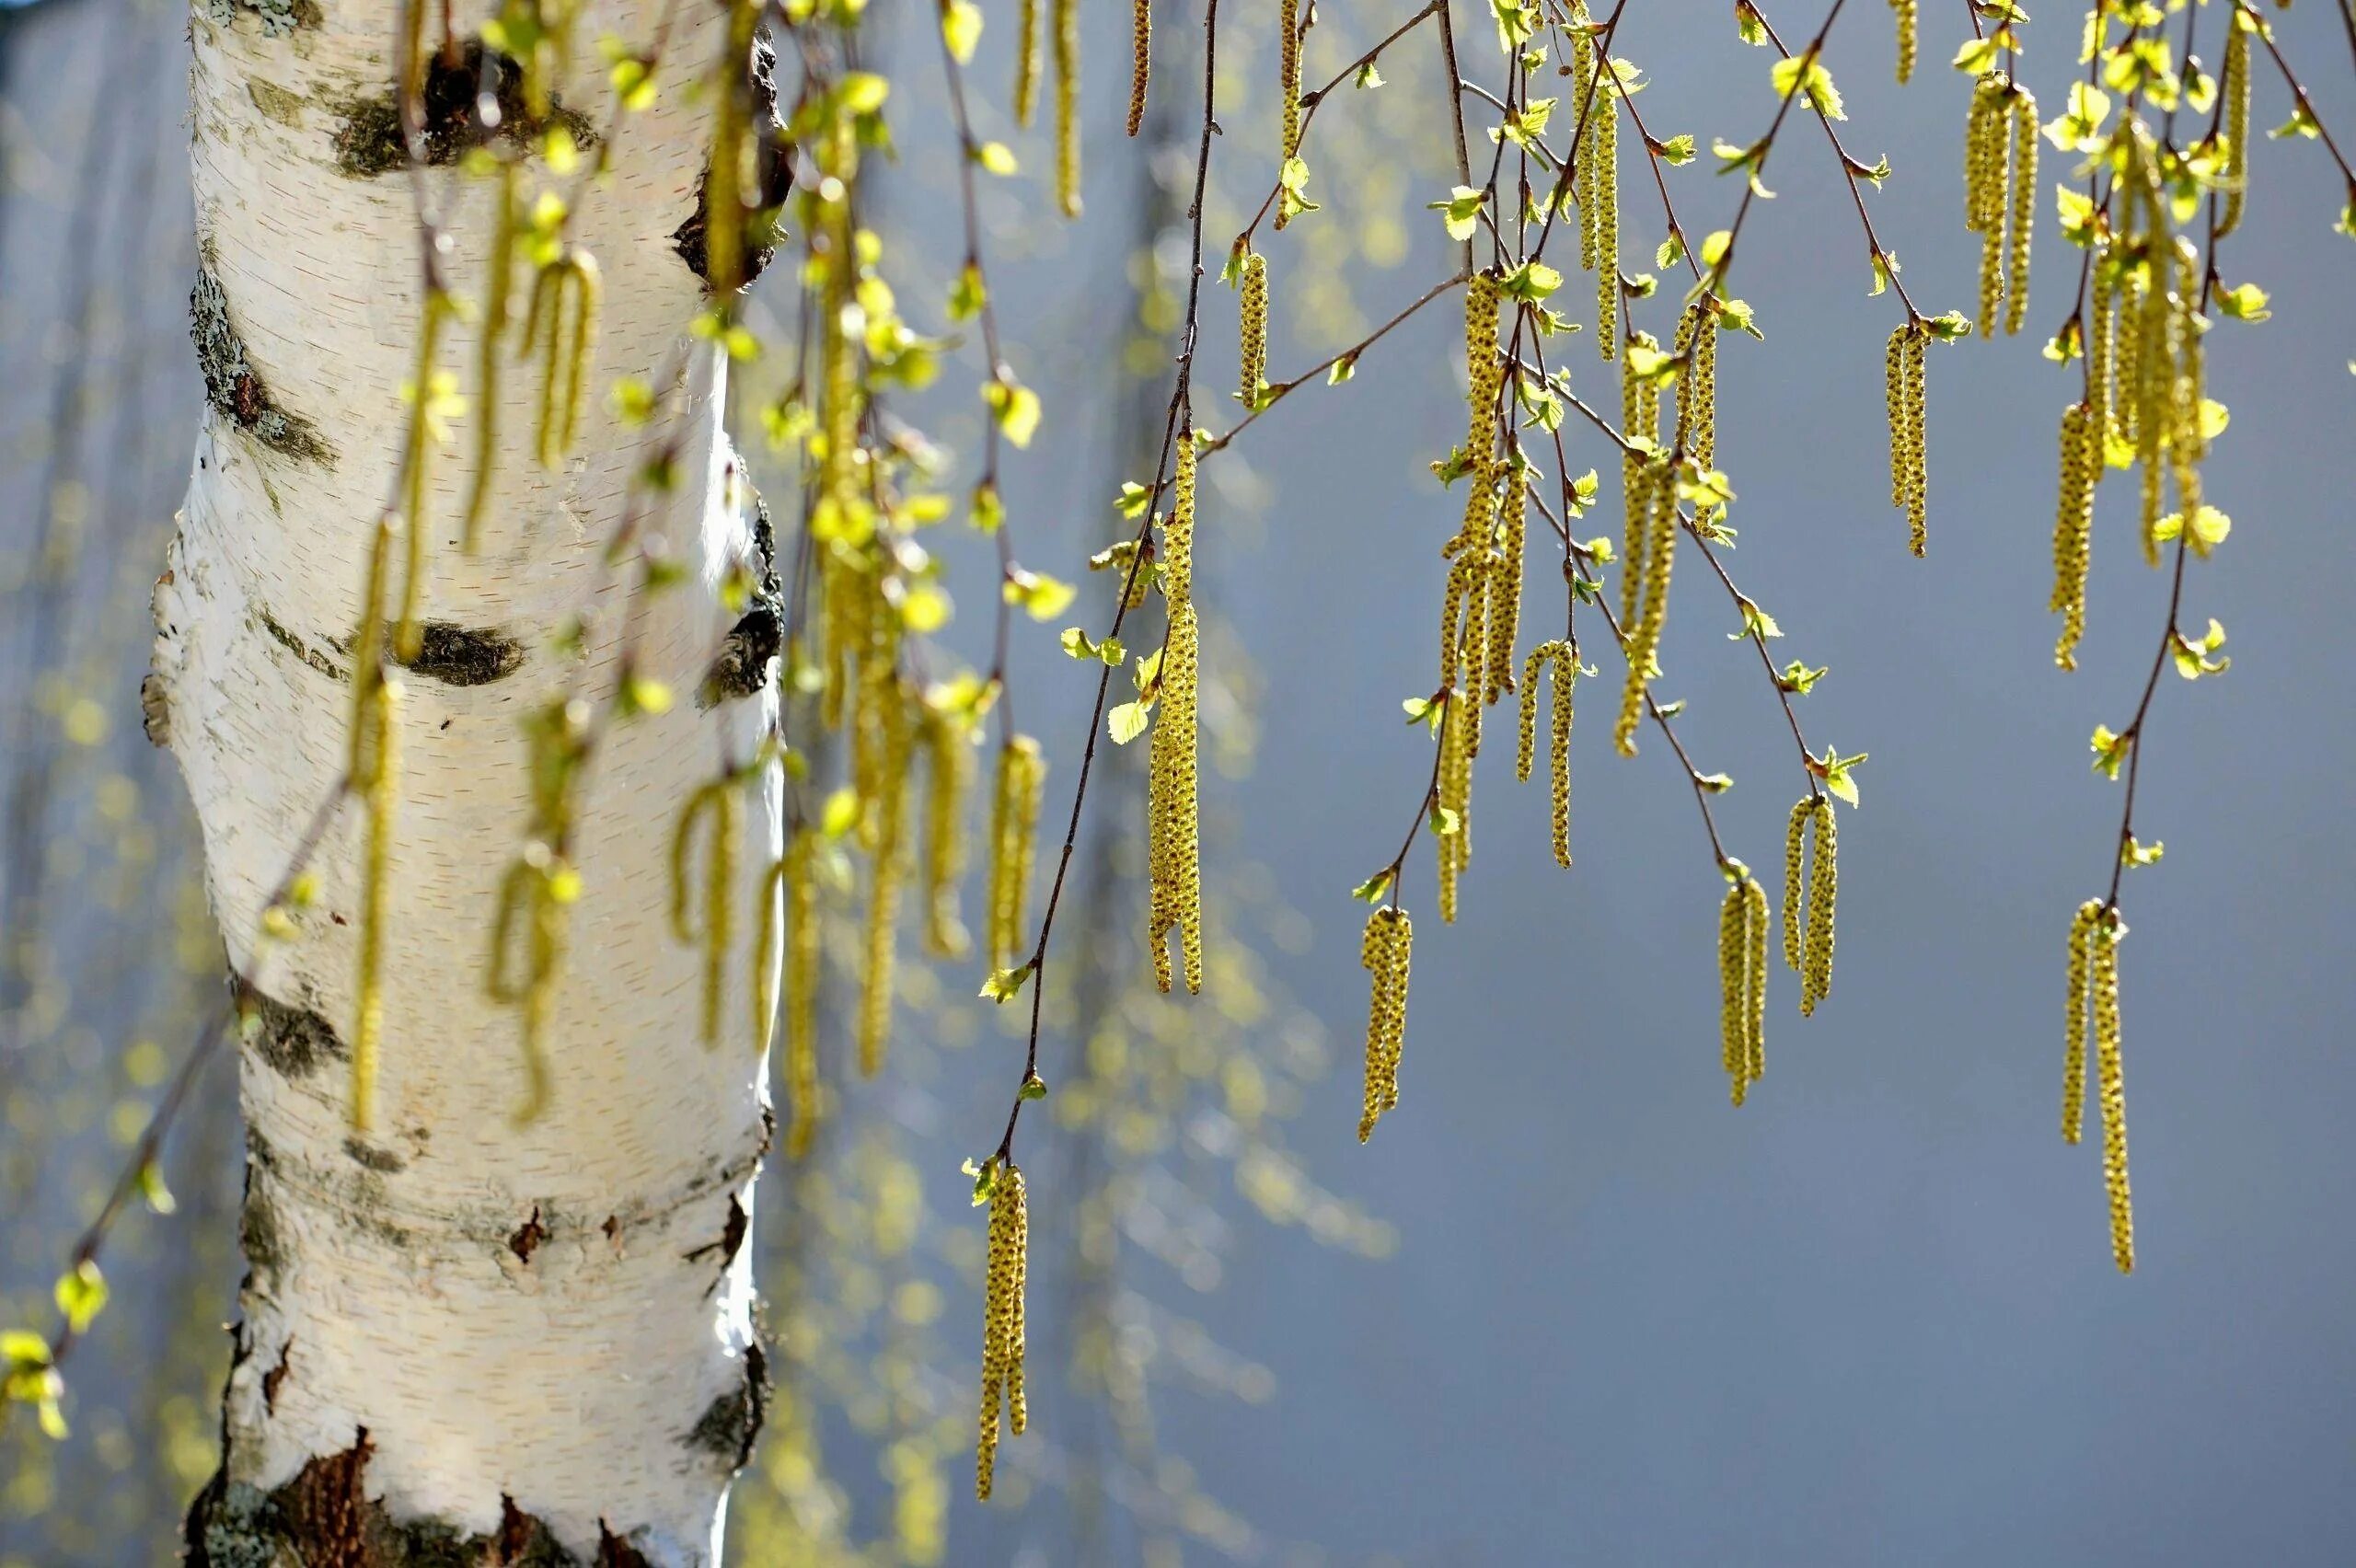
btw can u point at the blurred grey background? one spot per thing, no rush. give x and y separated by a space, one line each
1869 1317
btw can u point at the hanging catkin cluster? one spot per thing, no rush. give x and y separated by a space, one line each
1909 479
1907 24
1254 290
1385 952
2154 390
1595 182
2074 526
1009 1270
1742 981
1288 86
1562 660
1477 583
1807 938
1014 830
560 325
2095 936
2000 184
538 888
720 801
1140 59
1174 854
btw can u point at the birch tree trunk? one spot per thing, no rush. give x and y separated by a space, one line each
463 1339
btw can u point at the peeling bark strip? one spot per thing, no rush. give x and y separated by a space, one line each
775 180
369 142
231 385
324 1518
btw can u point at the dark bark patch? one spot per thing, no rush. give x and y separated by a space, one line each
324 1518
234 387
464 656
774 174
613 1551
528 1236
279 18
741 667
731 1426
293 1041
295 644
155 710
258 1235
731 1238
368 142
382 1161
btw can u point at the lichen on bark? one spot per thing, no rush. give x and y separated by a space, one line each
234 387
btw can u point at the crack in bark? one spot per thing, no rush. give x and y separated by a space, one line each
369 142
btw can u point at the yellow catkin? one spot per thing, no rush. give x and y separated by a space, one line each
1385 952
1066 16
1005 1283
1454 849
2024 208
1823 896
1526 728
948 765
1015 826
1639 419
379 790
2155 372
1794 849
1606 133
2073 1056
1140 59
1643 638
888 808
1505 582
1255 330
1906 19
1026 61
1583 155
798 872
1894 370
1559 733
2112 1075
1175 854
1918 443
1984 190
2234 83
1287 84
500 269
2101 328
1701 437
1754 920
719 802
2074 529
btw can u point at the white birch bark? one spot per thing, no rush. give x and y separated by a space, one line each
551 1319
